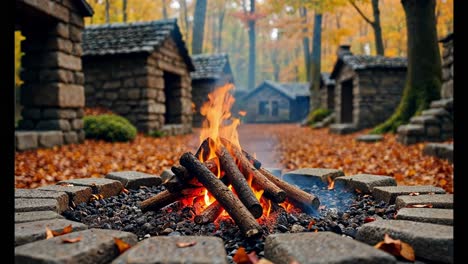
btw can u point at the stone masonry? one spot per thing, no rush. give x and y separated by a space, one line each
52 94
145 78
447 67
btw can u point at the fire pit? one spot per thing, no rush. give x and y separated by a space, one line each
224 191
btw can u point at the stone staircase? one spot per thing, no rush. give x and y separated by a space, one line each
434 124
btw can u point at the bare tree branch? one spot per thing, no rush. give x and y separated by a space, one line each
353 3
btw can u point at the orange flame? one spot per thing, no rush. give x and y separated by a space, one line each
269 208
331 183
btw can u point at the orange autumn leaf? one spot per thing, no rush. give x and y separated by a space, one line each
71 240
241 257
121 245
49 233
420 206
186 244
311 223
396 247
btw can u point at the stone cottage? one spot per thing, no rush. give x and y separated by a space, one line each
52 95
142 72
211 71
273 102
327 91
368 89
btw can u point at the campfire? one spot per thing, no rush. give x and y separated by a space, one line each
222 180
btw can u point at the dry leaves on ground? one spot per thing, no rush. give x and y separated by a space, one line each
286 146
50 233
397 248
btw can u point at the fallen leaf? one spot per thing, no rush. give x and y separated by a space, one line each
414 194
241 257
396 247
186 244
311 223
369 219
420 206
49 233
71 240
121 245
125 190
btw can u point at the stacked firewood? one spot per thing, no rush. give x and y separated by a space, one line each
192 177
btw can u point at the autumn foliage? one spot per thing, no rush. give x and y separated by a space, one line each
286 146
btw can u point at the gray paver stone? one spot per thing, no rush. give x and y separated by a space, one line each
310 176
321 247
369 138
436 200
429 241
61 197
33 231
105 187
76 194
389 193
426 215
29 205
36 216
207 250
135 179
96 246
365 182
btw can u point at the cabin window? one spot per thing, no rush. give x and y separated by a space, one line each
263 108
274 108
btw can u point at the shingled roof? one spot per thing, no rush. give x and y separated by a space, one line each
290 90
364 62
210 66
325 79
128 38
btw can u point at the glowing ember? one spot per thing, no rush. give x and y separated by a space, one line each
331 183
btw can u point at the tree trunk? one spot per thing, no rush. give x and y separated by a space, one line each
184 20
379 46
220 29
316 61
124 10
164 9
107 11
198 26
305 43
251 83
423 79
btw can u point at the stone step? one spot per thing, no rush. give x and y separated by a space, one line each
162 249
425 120
33 231
321 247
342 129
310 176
389 194
436 200
444 103
30 205
439 150
61 197
369 138
36 216
76 194
437 112
429 241
411 130
135 179
96 246
365 182
426 215
105 187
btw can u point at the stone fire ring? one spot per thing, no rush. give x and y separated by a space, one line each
428 230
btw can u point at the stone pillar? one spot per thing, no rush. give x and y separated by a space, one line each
53 93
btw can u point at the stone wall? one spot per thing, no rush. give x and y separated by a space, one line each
134 86
447 70
52 94
200 90
327 97
377 94
269 95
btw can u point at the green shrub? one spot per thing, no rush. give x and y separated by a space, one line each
157 133
110 128
317 115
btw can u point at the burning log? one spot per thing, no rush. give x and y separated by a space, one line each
257 164
184 178
238 181
297 196
210 214
259 180
233 206
165 198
